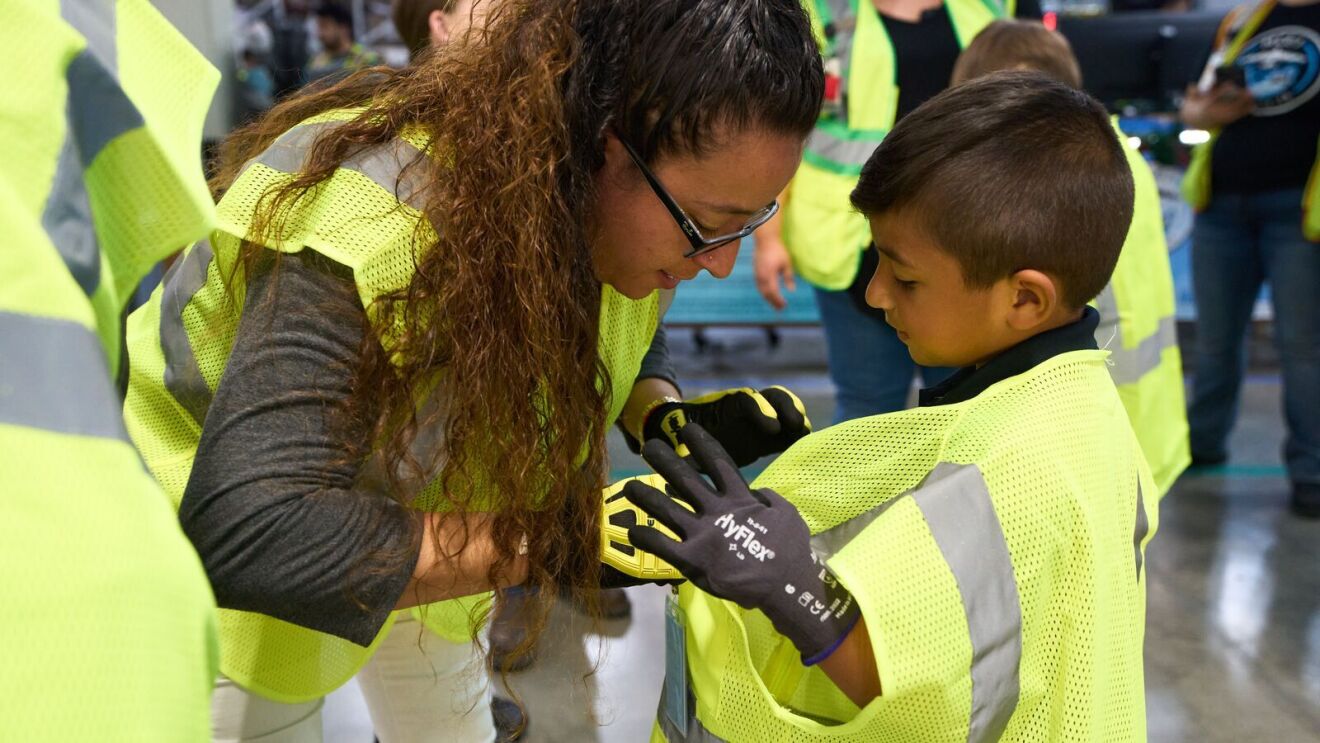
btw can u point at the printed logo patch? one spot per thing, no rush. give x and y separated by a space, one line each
1282 67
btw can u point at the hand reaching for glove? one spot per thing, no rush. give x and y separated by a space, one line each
749 424
747 546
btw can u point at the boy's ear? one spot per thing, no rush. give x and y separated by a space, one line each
1034 299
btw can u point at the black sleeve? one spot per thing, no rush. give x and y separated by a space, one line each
271 505
656 363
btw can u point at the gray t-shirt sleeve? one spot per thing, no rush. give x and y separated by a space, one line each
272 505
656 363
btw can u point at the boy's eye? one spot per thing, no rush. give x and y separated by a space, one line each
905 284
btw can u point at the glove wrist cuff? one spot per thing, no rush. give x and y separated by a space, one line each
816 614
653 415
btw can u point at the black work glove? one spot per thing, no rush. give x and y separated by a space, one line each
622 564
748 423
748 546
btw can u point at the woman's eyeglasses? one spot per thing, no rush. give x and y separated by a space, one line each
700 243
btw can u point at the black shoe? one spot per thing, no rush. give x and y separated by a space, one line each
1305 501
510 721
508 631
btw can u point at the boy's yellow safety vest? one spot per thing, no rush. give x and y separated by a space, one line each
822 232
995 547
181 340
1236 30
1139 326
107 622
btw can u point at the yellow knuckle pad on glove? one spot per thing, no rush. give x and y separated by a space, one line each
762 404
617 515
797 403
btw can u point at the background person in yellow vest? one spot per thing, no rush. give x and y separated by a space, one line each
1254 187
883 58
1137 321
445 299
107 625
970 569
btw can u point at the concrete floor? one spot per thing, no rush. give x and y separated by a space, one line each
1233 626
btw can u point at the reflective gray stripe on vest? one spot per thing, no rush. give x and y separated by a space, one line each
1129 365
850 152
183 376
956 504
828 543
1143 527
97 112
383 165
53 376
397 166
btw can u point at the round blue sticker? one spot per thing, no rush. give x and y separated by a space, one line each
1282 67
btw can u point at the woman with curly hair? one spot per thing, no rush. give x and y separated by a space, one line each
385 380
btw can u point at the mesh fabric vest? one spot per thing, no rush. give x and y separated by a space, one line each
366 216
1139 325
107 623
995 547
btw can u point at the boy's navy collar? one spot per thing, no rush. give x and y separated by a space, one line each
971 381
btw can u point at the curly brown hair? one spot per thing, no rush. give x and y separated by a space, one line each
499 321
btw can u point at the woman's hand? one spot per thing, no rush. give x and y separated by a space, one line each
456 554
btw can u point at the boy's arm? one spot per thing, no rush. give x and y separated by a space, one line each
852 666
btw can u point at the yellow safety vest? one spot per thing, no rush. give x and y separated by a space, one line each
107 622
995 547
364 217
822 232
1138 324
1236 30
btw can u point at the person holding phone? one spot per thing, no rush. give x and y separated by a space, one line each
1258 221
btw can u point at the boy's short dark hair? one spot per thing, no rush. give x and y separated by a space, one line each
1018 45
1009 172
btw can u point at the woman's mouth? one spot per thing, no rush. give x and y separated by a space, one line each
667 280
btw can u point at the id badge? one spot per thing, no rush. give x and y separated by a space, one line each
676 688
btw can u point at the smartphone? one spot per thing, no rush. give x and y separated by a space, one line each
1231 74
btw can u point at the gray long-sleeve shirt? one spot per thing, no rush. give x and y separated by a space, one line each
274 507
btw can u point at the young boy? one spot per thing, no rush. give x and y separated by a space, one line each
970 570
1137 309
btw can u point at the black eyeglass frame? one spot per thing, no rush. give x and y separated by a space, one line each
700 244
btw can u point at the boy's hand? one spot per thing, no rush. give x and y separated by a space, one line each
750 547
748 423
622 564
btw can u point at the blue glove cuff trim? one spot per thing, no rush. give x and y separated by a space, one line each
828 651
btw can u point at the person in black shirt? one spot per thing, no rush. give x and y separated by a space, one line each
1258 94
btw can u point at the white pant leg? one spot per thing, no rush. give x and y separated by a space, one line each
421 688
239 716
